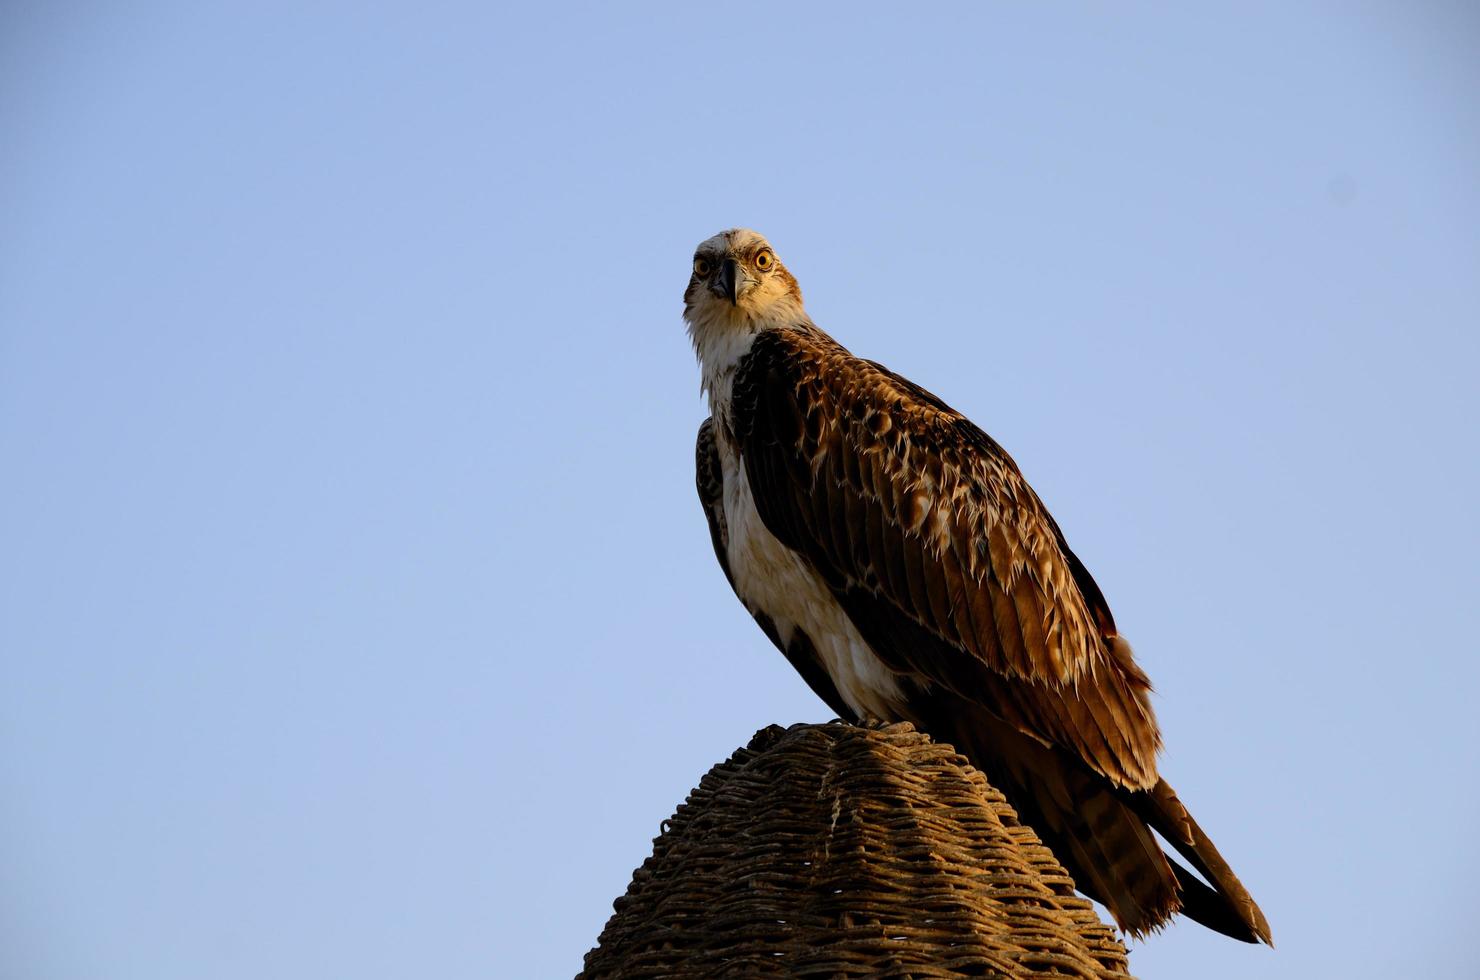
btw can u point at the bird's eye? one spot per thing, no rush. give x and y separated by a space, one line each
764 259
701 267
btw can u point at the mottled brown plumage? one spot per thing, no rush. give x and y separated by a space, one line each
963 609
955 543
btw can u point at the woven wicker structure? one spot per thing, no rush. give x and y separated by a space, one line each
838 851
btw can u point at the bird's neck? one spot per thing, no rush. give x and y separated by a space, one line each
723 335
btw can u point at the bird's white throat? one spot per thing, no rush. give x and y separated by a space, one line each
723 335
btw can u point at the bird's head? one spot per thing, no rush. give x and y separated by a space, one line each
738 282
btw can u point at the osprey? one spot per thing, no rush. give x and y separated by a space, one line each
896 556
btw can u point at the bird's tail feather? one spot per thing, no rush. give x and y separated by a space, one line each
1105 846
1103 834
1110 852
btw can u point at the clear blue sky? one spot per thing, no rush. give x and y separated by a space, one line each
357 616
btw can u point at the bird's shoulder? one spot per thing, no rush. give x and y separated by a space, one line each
874 408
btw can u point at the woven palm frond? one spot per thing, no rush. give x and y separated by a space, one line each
840 851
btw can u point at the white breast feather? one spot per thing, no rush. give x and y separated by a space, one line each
772 579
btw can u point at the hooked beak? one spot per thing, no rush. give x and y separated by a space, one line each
731 282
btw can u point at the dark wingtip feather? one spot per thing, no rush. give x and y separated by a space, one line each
1226 906
1219 912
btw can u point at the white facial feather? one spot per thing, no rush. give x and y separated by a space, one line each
721 331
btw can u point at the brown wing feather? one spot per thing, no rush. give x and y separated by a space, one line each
905 501
709 480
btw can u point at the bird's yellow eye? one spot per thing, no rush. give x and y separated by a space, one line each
764 259
701 267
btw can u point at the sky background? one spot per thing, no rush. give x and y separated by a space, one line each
357 616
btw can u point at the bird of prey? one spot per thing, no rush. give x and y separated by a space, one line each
895 554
